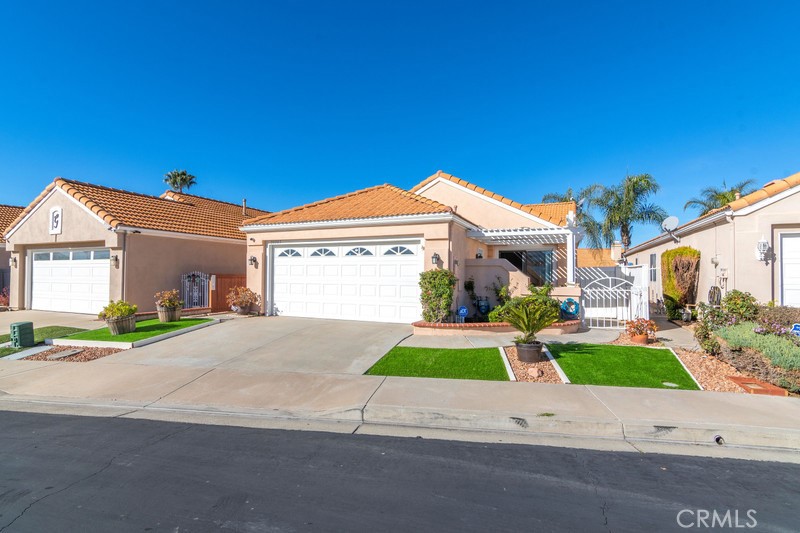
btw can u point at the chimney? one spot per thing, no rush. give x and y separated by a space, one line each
737 195
244 207
616 251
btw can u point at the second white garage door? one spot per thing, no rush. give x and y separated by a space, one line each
73 281
790 269
356 281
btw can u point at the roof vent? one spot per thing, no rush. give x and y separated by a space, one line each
244 206
737 195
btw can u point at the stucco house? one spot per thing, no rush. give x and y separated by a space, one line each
358 256
8 213
751 244
78 245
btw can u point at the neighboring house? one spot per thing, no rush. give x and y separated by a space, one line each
728 241
358 256
8 213
595 258
78 245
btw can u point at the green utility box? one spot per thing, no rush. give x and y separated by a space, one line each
22 335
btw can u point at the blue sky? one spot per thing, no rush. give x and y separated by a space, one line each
285 103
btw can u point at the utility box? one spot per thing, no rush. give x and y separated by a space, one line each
22 335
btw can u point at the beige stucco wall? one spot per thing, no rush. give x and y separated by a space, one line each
156 263
4 257
477 208
733 242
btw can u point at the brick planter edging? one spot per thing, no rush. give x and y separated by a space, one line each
455 328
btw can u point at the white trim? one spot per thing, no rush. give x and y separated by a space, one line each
559 371
781 234
360 222
685 368
507 364
174 234
767 201
30 213
488 199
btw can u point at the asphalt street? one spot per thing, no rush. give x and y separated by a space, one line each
67 473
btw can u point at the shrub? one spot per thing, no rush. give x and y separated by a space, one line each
501 292
242 298
539 295
640 326
118 309
679 274
673 308
783 315
741 305
4 297
780 351
436 294
169 299
530 318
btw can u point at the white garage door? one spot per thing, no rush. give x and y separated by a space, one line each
361 281
73 281
790 269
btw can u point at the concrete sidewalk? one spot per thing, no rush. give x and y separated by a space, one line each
598 417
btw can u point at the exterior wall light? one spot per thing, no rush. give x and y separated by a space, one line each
479 254
435 259
115 261
762 250
12 261
252 261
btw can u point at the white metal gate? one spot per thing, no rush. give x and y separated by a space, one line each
194 290
608 301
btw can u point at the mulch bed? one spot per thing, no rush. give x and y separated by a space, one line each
88 354
528 371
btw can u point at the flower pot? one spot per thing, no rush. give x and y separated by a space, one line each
639 339
118 326
244 310
530 353
168 314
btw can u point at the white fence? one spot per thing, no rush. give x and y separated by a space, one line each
613 295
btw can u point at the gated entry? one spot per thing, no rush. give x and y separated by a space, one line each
194 290
610 298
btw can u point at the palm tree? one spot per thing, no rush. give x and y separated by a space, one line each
715 197
586 199
178 179
622 206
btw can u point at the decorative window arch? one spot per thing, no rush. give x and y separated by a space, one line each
290 252
359 251
323 252
399 250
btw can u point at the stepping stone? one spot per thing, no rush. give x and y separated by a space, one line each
62 355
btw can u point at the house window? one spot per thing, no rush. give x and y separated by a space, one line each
536 264
652 267
290 252
359 251
323 252
102 254
41 256
82 255
398 250
60 256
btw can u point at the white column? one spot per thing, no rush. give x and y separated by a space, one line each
570 258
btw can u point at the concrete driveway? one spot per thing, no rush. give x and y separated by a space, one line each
274 344
48 318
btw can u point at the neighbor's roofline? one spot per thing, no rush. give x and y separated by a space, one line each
357 222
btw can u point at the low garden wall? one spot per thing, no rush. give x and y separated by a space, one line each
487 328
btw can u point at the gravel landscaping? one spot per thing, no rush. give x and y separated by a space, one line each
86 355
710 372
541 372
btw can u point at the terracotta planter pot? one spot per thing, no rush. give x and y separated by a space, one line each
169 314
530 353
640 339
118 326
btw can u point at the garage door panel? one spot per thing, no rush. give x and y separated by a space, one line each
383 286
65 280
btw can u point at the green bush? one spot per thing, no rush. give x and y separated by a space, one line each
436 294
741 305
780 351
118 309
673 308
783 315
680 288
539 296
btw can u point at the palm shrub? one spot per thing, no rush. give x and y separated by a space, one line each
529 319
436 294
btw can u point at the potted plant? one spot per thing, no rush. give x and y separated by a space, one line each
529 318
639 330
119 317
242 299
4 299
169 305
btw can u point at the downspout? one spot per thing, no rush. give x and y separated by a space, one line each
732 277
124 273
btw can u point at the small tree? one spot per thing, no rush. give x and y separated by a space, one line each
436 294
179 179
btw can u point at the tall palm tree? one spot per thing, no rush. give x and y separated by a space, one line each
622 206
179 179
715 197
586 199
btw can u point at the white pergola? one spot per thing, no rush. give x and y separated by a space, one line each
531 236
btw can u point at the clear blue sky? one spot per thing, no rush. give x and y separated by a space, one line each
290 102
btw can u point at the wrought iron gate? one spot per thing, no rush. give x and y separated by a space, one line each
194 290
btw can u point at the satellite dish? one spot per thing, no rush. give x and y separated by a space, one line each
669 224
580 202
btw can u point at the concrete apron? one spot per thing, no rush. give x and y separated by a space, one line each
438 408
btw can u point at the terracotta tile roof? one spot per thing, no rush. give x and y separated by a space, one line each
770 189
8 214
173 212
555 213
595 257
374 202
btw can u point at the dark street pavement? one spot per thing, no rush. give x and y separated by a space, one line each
67 473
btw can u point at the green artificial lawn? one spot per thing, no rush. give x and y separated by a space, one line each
621 366
144 330
49 332
7 351
472 363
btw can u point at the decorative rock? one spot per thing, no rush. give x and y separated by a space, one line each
535 372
